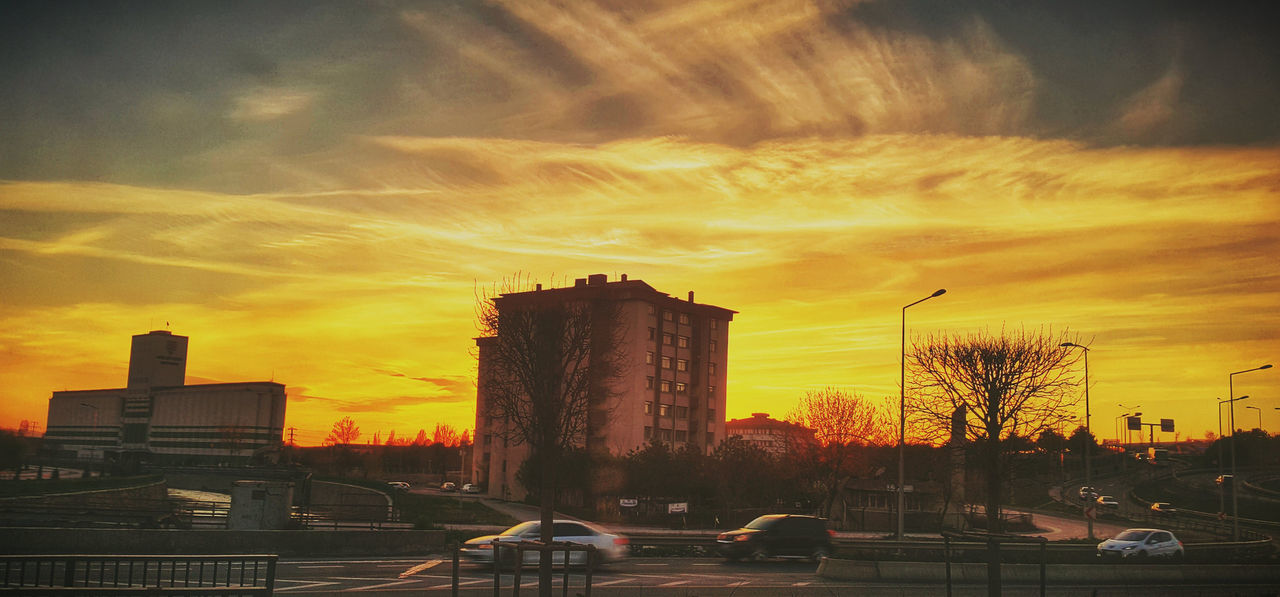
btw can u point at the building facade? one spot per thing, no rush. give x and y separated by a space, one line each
157 418
671 387
770 434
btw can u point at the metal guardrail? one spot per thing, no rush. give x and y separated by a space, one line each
246 575
516 562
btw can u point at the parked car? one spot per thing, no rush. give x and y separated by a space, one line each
1141 544
398 485
470 488
1107 501
1163 508
772 535
610 546
448 486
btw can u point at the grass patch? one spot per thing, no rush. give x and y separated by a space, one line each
431 511
38 487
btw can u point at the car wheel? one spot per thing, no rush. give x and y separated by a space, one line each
1142 556
819 552
759 554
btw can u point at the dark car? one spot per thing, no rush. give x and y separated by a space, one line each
786 535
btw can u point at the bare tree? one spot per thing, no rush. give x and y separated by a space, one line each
545 366
445 435
1015 384
843 425
344 432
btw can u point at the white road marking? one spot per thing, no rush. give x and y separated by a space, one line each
803 584
610 582
674 583
371 587
663 564
710 564
337 566
306 585
421 567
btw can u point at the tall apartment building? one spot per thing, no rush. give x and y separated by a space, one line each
156 417
671 389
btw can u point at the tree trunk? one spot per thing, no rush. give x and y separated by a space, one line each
548 511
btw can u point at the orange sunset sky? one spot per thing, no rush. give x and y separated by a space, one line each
314 192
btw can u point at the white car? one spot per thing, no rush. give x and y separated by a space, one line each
611 547
1141 544
398 485
470 488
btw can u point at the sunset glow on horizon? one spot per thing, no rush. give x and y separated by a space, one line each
316 193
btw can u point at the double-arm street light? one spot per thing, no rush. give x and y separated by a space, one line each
1088 449
902 417
1235 501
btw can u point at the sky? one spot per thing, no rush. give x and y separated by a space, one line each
316 192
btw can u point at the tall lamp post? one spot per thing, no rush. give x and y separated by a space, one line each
1259 415
1088 450
1235 501
1221 496
902 417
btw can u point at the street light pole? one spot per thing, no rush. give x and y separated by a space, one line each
902 417
1088 450
1235 501
1259 415
1222 507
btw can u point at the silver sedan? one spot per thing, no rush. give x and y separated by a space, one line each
610 546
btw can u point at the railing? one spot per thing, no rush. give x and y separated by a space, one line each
247 575
516 562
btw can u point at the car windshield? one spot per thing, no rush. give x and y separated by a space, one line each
1132 535
763 522
520 529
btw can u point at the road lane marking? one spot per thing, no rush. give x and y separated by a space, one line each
610 582
386 584
714 564
674 583
421 567
661 564
802 584
305 585
324 566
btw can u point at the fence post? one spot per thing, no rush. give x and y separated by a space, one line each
455 569
946 551
519 565
591 564
1043 565
68 574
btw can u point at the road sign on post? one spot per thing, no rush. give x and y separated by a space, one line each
1135 424
1091 513
1166 425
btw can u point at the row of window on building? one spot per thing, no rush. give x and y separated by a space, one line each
680 387
676 435
668 315
670 339
679 364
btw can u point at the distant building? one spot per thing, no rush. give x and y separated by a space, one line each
770 434
158 418
672 388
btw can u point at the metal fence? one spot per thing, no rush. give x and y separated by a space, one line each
225 575
515 561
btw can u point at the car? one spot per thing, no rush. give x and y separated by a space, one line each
1141 544
470 488
787 535
1224 480
448 486
1089 493
398 485
1163 508
611 546
1107 501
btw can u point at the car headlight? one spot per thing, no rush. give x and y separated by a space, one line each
742 538
1129 547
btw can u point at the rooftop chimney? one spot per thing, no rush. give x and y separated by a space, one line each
579 282
538 287
624 277
595 279
691 296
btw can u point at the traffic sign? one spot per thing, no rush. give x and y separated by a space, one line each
1091 513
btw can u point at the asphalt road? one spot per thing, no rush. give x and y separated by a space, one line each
654 577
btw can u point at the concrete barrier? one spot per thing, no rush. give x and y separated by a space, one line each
1055 574
175 542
